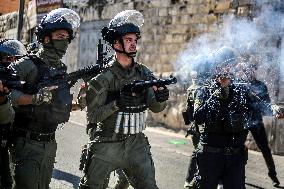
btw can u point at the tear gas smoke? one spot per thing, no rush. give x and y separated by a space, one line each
259 37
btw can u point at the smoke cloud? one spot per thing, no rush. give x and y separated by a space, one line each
259 36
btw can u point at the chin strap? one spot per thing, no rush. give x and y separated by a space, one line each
131 54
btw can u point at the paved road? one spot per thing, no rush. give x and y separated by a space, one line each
170 159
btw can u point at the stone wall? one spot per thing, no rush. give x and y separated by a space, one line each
8 25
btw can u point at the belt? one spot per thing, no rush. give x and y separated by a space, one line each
224 150
40 137
114 138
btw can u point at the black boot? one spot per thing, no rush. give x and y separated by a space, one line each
275 181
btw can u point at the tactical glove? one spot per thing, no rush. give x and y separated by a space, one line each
44 95
162 94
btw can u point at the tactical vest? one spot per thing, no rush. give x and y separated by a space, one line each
233 114
44 118
105 128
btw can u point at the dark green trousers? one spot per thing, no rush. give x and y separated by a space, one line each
34 163
6 178
132 155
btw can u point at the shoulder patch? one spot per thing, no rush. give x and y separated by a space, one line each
95 86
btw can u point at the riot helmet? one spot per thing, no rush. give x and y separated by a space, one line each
61 18
224 60
128 21
11 48
202 65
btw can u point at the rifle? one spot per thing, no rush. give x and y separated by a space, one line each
10 79
140 85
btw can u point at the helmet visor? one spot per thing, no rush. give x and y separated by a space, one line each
127 17
69 15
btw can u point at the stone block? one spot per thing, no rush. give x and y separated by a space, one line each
222 6
179 38
168 38
163 12
211 18
203 9
173 11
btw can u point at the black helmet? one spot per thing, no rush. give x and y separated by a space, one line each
127 21
225 56
61 18
222 59
11 47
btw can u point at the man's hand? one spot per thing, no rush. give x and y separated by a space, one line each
3 91
161 93
44 95
278 112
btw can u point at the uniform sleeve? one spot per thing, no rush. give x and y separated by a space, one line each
82 96
7 113
188 109
27 72
265 103
153 105
98 109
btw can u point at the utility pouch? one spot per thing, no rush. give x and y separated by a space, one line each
84 158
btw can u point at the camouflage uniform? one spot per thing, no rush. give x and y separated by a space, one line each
34 155
37 118
9 48
110 150
122 182
6 118
193 130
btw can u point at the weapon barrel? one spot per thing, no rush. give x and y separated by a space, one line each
137 86
13 84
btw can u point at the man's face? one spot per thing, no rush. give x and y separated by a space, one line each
58 35
250 73
130 43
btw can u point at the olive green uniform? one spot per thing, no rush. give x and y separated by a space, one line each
6 118
35 145
122 182
111 150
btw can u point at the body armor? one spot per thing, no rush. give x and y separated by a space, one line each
44 118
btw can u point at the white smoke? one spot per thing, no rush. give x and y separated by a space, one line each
259 36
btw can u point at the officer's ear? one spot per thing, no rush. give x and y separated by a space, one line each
46 39
116 44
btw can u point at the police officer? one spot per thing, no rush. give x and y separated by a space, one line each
40 111
193 129
224 109
6 118
9 49
122 182
119 116
262 107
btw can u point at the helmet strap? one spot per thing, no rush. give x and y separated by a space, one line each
131 54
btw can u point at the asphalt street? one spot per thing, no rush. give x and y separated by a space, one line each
170 152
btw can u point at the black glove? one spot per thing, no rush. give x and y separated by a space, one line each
162 94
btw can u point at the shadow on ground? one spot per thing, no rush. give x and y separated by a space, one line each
68 177
259 187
